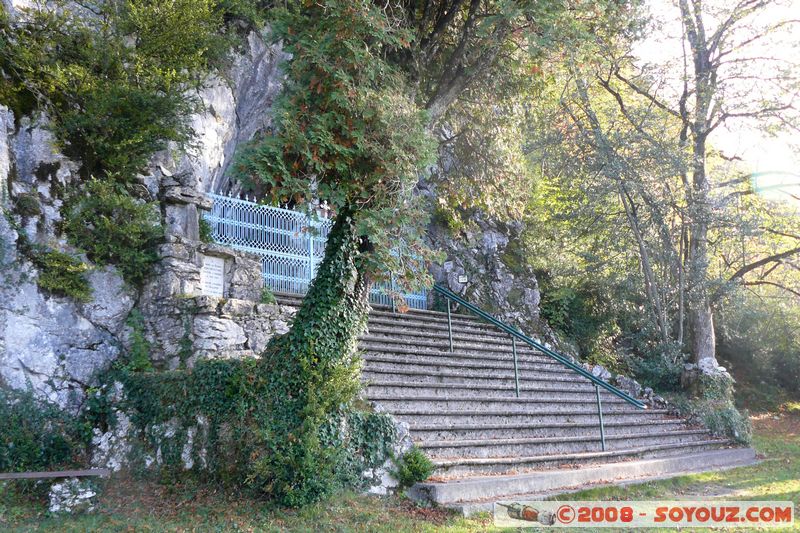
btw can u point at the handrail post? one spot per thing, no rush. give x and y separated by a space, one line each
449 326
310 255
391 289
516 369
600 415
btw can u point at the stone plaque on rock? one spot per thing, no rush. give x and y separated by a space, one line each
212 276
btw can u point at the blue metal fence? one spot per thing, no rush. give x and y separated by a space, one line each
291 244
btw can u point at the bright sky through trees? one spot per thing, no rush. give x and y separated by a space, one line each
775 154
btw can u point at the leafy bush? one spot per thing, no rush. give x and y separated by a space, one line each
233 399
27 205
206 232
714 408
138 357
113 228
721 418
729 421
35 435
585 313
309 373
267 297
759 342
117 129
659 371
60 273
115 82
413 467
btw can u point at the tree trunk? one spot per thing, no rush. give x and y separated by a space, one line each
309 373
701 322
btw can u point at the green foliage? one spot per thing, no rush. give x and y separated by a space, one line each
310 372
60 273
27 205
114 82
206 231
413 467
113 228
759 342
347 132
713 407
345 117
585 312
729 421
657 370
252 13
138 357
266 296
134 124
366 441
35 435
232 399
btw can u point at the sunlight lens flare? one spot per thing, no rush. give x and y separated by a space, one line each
777 185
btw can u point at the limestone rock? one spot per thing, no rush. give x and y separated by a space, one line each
72 496
213 333
111 449
599 371
495 279
235 106
111 302
47 343
629 385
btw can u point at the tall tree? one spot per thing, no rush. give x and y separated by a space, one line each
367 85
650 127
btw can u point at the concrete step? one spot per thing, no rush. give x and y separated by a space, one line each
429 317
374 371
411 326
416 328
490 403
527 447
478 493
462 349
487 369
468 431
457 390
386 312
459 356
459 467
576 414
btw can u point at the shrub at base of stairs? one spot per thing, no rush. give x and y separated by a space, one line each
308 374
412 468
712 406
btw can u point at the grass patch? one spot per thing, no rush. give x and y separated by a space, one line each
140 506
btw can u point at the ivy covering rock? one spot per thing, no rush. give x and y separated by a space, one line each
212 422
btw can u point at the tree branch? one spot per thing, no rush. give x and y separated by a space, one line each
772 283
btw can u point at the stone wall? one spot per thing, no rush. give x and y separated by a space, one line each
183 325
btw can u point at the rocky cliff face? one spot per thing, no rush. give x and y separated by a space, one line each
57 346
481 264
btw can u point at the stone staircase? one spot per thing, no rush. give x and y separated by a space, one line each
489 445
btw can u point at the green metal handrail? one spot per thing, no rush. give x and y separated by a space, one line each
451 296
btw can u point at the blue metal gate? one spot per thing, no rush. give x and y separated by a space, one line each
291 244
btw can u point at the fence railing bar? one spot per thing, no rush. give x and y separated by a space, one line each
291 244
